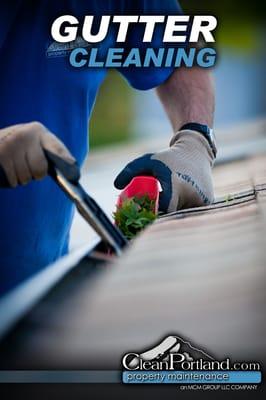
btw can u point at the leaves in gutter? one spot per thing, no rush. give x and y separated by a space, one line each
134 215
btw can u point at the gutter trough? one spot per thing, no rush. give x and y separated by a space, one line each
17 303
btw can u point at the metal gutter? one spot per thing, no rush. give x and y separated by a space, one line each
15 304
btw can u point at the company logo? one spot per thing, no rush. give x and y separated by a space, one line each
56 49
171 350
175 360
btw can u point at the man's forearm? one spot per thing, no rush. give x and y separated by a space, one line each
188 96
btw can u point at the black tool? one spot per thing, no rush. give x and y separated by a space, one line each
67 178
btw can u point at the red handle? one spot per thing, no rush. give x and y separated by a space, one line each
141 186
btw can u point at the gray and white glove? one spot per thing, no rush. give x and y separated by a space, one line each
184 171
22 153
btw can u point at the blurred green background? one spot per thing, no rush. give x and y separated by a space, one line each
121 114
113 112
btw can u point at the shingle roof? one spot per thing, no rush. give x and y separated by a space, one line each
198 273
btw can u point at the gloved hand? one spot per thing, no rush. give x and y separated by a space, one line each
184 171
22 152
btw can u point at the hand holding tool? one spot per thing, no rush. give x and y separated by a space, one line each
67 176
183 170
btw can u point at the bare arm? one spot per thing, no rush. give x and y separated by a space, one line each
188 96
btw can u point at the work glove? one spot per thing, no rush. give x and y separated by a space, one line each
183 170
22 152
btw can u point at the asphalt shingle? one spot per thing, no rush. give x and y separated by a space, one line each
198 273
